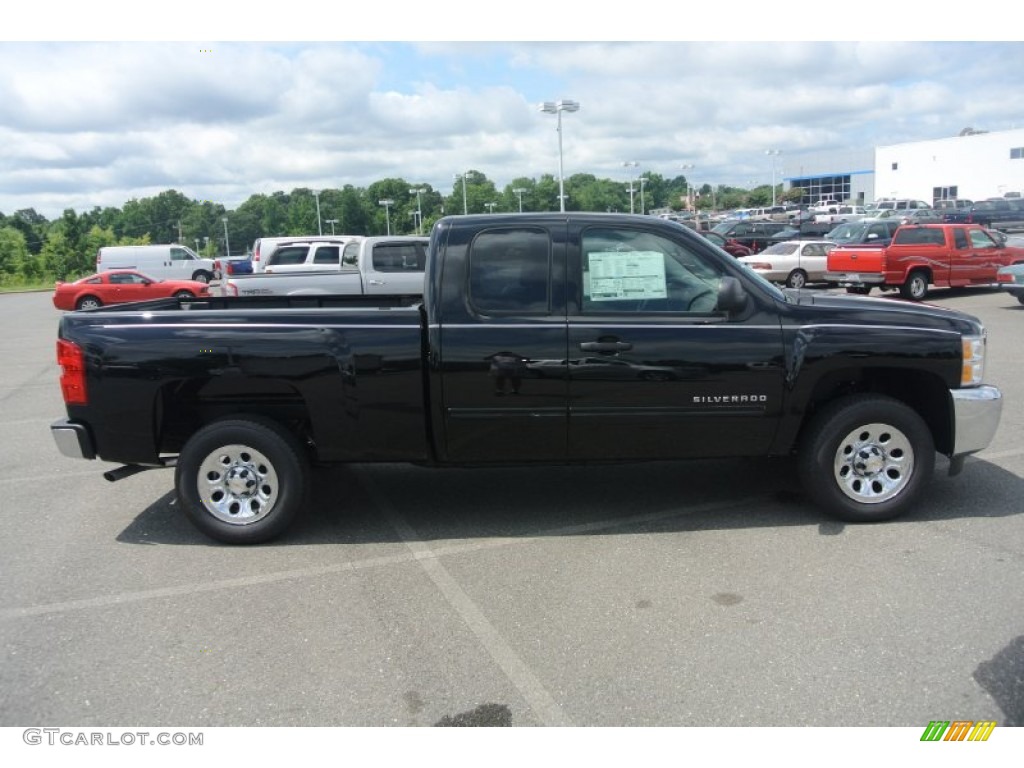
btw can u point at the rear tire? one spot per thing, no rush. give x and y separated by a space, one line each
916 286
242 480
796 279
866 458
202 277
88 302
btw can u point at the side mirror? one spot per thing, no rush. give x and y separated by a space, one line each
732 296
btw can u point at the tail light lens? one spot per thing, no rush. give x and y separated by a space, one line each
72 379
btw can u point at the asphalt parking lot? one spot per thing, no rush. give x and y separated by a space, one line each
691 594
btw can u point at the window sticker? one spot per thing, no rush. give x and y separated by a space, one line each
632 275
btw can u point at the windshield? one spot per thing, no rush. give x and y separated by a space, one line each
723 228
781 248
846 233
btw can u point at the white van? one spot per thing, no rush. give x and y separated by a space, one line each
173 261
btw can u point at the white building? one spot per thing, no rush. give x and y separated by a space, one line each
974 166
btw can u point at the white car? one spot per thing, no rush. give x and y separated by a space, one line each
793 262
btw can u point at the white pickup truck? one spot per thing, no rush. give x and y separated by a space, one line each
364 265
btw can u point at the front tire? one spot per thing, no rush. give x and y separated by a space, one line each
916 286
242 480
184 295
866 458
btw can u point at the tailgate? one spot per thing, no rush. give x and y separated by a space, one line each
848 259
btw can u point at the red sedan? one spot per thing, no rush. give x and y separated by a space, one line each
120 285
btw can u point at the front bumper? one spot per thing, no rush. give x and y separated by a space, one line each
73 439
976 414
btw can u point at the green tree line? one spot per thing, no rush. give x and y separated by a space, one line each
34 250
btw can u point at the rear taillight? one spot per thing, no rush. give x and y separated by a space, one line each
1004 277
72 379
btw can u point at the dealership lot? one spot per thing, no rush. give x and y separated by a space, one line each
703 593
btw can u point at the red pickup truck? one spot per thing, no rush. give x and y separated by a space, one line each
940 255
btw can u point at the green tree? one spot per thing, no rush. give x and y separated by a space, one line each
13 251
58 256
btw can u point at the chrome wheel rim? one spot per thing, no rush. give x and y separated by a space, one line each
238 485
88 304
873 463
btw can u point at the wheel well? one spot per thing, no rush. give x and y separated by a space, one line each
85 296
926 393
185 408
924 270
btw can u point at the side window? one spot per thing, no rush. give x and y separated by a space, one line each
327 254
180 254
980 239
121 279
509 271
398 257
350 256
813 250
627 270
289 254
959 238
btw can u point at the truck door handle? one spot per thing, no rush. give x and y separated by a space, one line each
605 346
377 282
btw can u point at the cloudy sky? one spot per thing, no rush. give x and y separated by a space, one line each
86 123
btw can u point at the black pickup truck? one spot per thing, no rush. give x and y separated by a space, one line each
1005 214
548 338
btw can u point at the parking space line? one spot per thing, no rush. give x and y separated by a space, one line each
544 706
408 556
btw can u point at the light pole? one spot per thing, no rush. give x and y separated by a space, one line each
643 180
519 192
419 209
557 108
387 212
490 207
627 165
773 153
332 222
465 206
319 226
691 205
227 244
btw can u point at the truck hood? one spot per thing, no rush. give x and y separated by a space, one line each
827 306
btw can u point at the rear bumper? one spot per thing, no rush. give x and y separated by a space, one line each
73 439
854 278
976 414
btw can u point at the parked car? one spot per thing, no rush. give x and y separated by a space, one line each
753 234
120 286
728 245
794 263
302 255
868 232
892 204
364 265
1011 279
235 265
171 261
998 213
920 216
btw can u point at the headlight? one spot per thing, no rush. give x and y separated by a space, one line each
972 370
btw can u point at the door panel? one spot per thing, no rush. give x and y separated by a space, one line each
655 371
503 347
